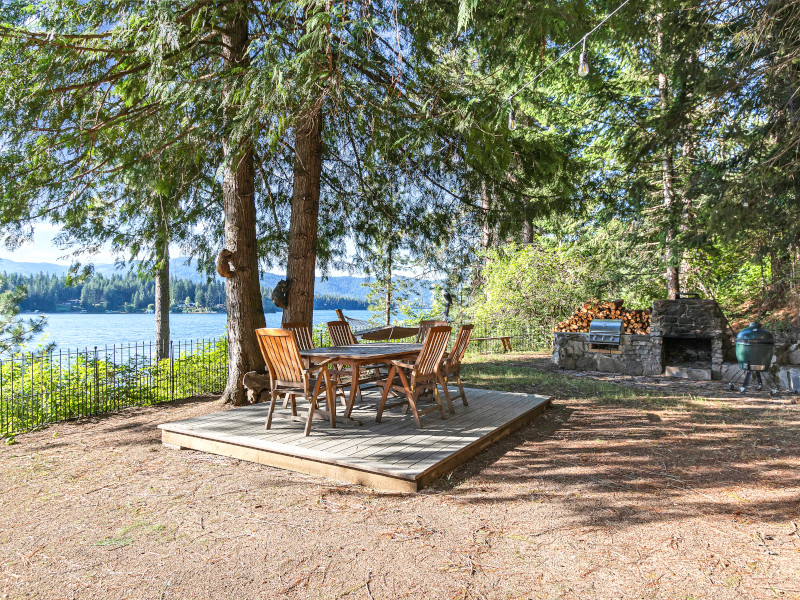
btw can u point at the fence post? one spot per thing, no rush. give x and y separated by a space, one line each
5 412
96 382
171 370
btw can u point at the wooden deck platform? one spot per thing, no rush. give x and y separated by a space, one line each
392 455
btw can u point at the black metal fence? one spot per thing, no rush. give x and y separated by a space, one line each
36 389
524 337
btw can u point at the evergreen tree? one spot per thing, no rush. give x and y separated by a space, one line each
15 331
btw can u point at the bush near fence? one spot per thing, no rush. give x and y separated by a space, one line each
36 389
524 337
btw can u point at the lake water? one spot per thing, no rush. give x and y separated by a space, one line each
74 330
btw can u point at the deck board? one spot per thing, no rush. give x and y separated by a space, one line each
428 453
391 455
427 440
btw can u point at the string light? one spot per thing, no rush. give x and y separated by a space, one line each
583 66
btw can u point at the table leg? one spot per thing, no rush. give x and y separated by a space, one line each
353 389
330 397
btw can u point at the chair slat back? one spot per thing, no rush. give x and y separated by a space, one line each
460 347
432 351
340 334
279 347
302 333
424 327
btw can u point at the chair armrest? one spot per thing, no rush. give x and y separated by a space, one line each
316 366
399 363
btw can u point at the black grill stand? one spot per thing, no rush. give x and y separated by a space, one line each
748 375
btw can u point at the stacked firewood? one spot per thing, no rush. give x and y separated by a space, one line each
633 321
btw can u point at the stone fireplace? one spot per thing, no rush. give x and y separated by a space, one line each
687 352
687 339
692 333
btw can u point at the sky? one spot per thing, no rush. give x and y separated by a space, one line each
43 249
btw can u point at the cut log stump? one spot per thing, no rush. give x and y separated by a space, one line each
254 383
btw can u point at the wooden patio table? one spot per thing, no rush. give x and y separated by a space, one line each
358 355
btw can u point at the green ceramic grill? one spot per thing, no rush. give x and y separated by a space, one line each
755 347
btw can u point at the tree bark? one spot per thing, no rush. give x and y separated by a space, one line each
668 183
304 220
486 205
242 288
670 254
527 232
778 285
389 283
162 295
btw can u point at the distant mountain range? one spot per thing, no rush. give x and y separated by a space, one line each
346 286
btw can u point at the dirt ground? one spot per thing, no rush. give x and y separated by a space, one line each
613 493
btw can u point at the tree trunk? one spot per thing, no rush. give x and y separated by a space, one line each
668 182
527 231
162 296
779 284
303 224
486 205
389 284
242 288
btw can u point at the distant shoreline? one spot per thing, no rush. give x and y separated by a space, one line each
138 312
74 330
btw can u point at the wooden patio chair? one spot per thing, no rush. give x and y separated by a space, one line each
305 341
451 366
424 327
288 375
302 333
424 374
341 335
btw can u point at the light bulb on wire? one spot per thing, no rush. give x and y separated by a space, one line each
583 66
512 124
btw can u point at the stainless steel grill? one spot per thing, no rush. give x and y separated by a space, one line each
605 331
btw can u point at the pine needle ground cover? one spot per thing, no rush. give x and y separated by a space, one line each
620 491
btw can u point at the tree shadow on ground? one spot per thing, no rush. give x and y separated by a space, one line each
622 456
126 423
617 457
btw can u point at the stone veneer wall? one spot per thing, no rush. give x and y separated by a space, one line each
692 318
641 354
686 318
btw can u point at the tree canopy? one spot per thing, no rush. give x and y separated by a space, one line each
291 133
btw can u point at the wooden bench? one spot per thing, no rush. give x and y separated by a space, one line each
505 339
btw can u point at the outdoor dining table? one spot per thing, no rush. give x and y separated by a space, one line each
359 355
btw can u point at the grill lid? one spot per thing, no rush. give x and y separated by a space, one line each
754 335
605 331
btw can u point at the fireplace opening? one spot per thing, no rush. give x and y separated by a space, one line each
687 352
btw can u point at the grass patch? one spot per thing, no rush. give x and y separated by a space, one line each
115 541
534 375
143 526
122 538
